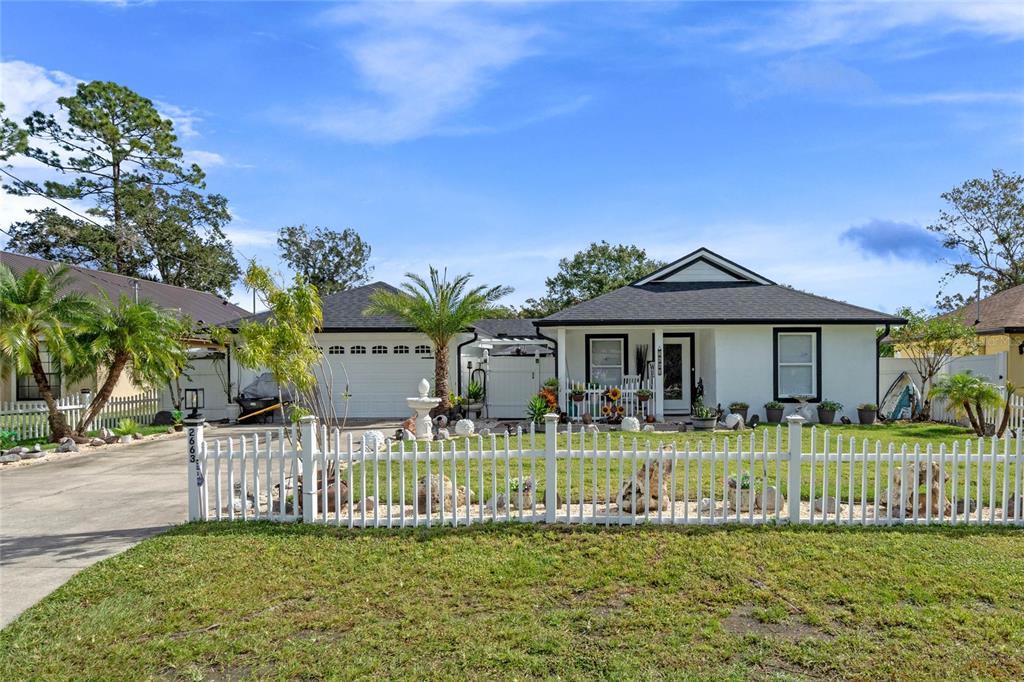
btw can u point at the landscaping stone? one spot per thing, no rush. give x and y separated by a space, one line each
36 447
464 427
771 494
33 454
485 433
137 435
733 422
375 441
67 445
20 450
163 418
440 421
643 492
369 504
649 428
442 434
440 485
500 503
630 424
106 433
587 419
110 440
96 442
827 503
171 429
961 505
10 458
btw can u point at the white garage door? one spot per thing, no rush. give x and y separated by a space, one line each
378 378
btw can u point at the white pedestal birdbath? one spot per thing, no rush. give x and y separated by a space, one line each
423 405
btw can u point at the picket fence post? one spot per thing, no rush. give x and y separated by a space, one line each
793 481
308 429
550 467
193 445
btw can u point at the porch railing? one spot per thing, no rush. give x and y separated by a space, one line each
596 399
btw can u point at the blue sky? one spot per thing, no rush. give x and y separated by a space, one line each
807 142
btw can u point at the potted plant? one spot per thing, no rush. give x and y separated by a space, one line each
704 418
773 411
474 397
125 429
827 411
578 393
739 408
551 383
867 413
643 395
177 415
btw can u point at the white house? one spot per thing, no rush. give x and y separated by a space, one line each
705 321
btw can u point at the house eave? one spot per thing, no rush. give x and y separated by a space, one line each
720 321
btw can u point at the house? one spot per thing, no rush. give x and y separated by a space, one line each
999 323
373 363
705 323
200 306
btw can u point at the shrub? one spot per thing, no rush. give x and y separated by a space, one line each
177 415
738 405
126 427
774 405
8 439
830 405
867 406
537 408
474 392
702 411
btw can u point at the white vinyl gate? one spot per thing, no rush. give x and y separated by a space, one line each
512 380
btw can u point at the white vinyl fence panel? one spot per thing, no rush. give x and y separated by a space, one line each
602 479
512 380
29 419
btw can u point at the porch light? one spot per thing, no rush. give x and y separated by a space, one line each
195 400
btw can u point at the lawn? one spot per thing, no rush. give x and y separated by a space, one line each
47 445
259 601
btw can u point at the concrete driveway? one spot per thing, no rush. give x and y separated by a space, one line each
59 517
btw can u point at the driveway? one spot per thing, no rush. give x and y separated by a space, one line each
59 517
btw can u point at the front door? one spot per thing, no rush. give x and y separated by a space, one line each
677 377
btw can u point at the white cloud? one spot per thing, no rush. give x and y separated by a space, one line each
184 120
420 64
973 97
812 25
798 75
203 158
25 88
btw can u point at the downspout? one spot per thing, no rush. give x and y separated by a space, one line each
878 364
554 343
458 358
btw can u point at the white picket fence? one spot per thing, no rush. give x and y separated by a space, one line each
601 479
29 419
941 412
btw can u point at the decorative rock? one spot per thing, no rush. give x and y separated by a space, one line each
960 506
96 442
827 503
137 435
67 445
486 433
500 503
733 422
106 433
706 505
464 427
408 435
36 447
440 485
163 418
171 429
643 492
10 458
442 434
375 441
771 495
630 424
20 450
650 419
649 428
110 440
440 421
34 454
587 419
368 504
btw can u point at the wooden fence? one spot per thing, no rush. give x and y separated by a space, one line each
601 479
29 419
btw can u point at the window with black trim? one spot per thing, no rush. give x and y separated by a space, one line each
423 350
607 360
27 389
357 350
336 350
379 350
797 353
401 350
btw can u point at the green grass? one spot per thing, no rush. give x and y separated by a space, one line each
259 601
47 445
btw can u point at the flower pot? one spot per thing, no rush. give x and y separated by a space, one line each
741 411
578 397
179 427
704 424
773 415
867 416
826 416
643 398
125 439
650 419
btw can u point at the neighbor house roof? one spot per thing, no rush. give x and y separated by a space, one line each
343 312
201 306
705 288
1001 313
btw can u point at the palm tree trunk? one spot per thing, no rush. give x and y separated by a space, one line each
970 416
58 425
441 377
981 417
103 395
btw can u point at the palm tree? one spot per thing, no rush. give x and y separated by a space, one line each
37 313
440 309
1011 390
139 338
966 394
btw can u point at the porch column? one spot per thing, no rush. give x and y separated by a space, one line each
562 369
659 373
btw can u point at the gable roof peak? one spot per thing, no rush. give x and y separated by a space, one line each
703 265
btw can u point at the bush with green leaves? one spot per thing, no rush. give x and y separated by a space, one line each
126 427
738 405
474 392
537 408
774 405
8 439
830 406
702 411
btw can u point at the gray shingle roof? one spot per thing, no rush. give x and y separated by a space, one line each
343 312
711 303
512 328
199 305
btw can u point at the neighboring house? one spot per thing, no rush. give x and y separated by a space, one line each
999 323
200 306
707 321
